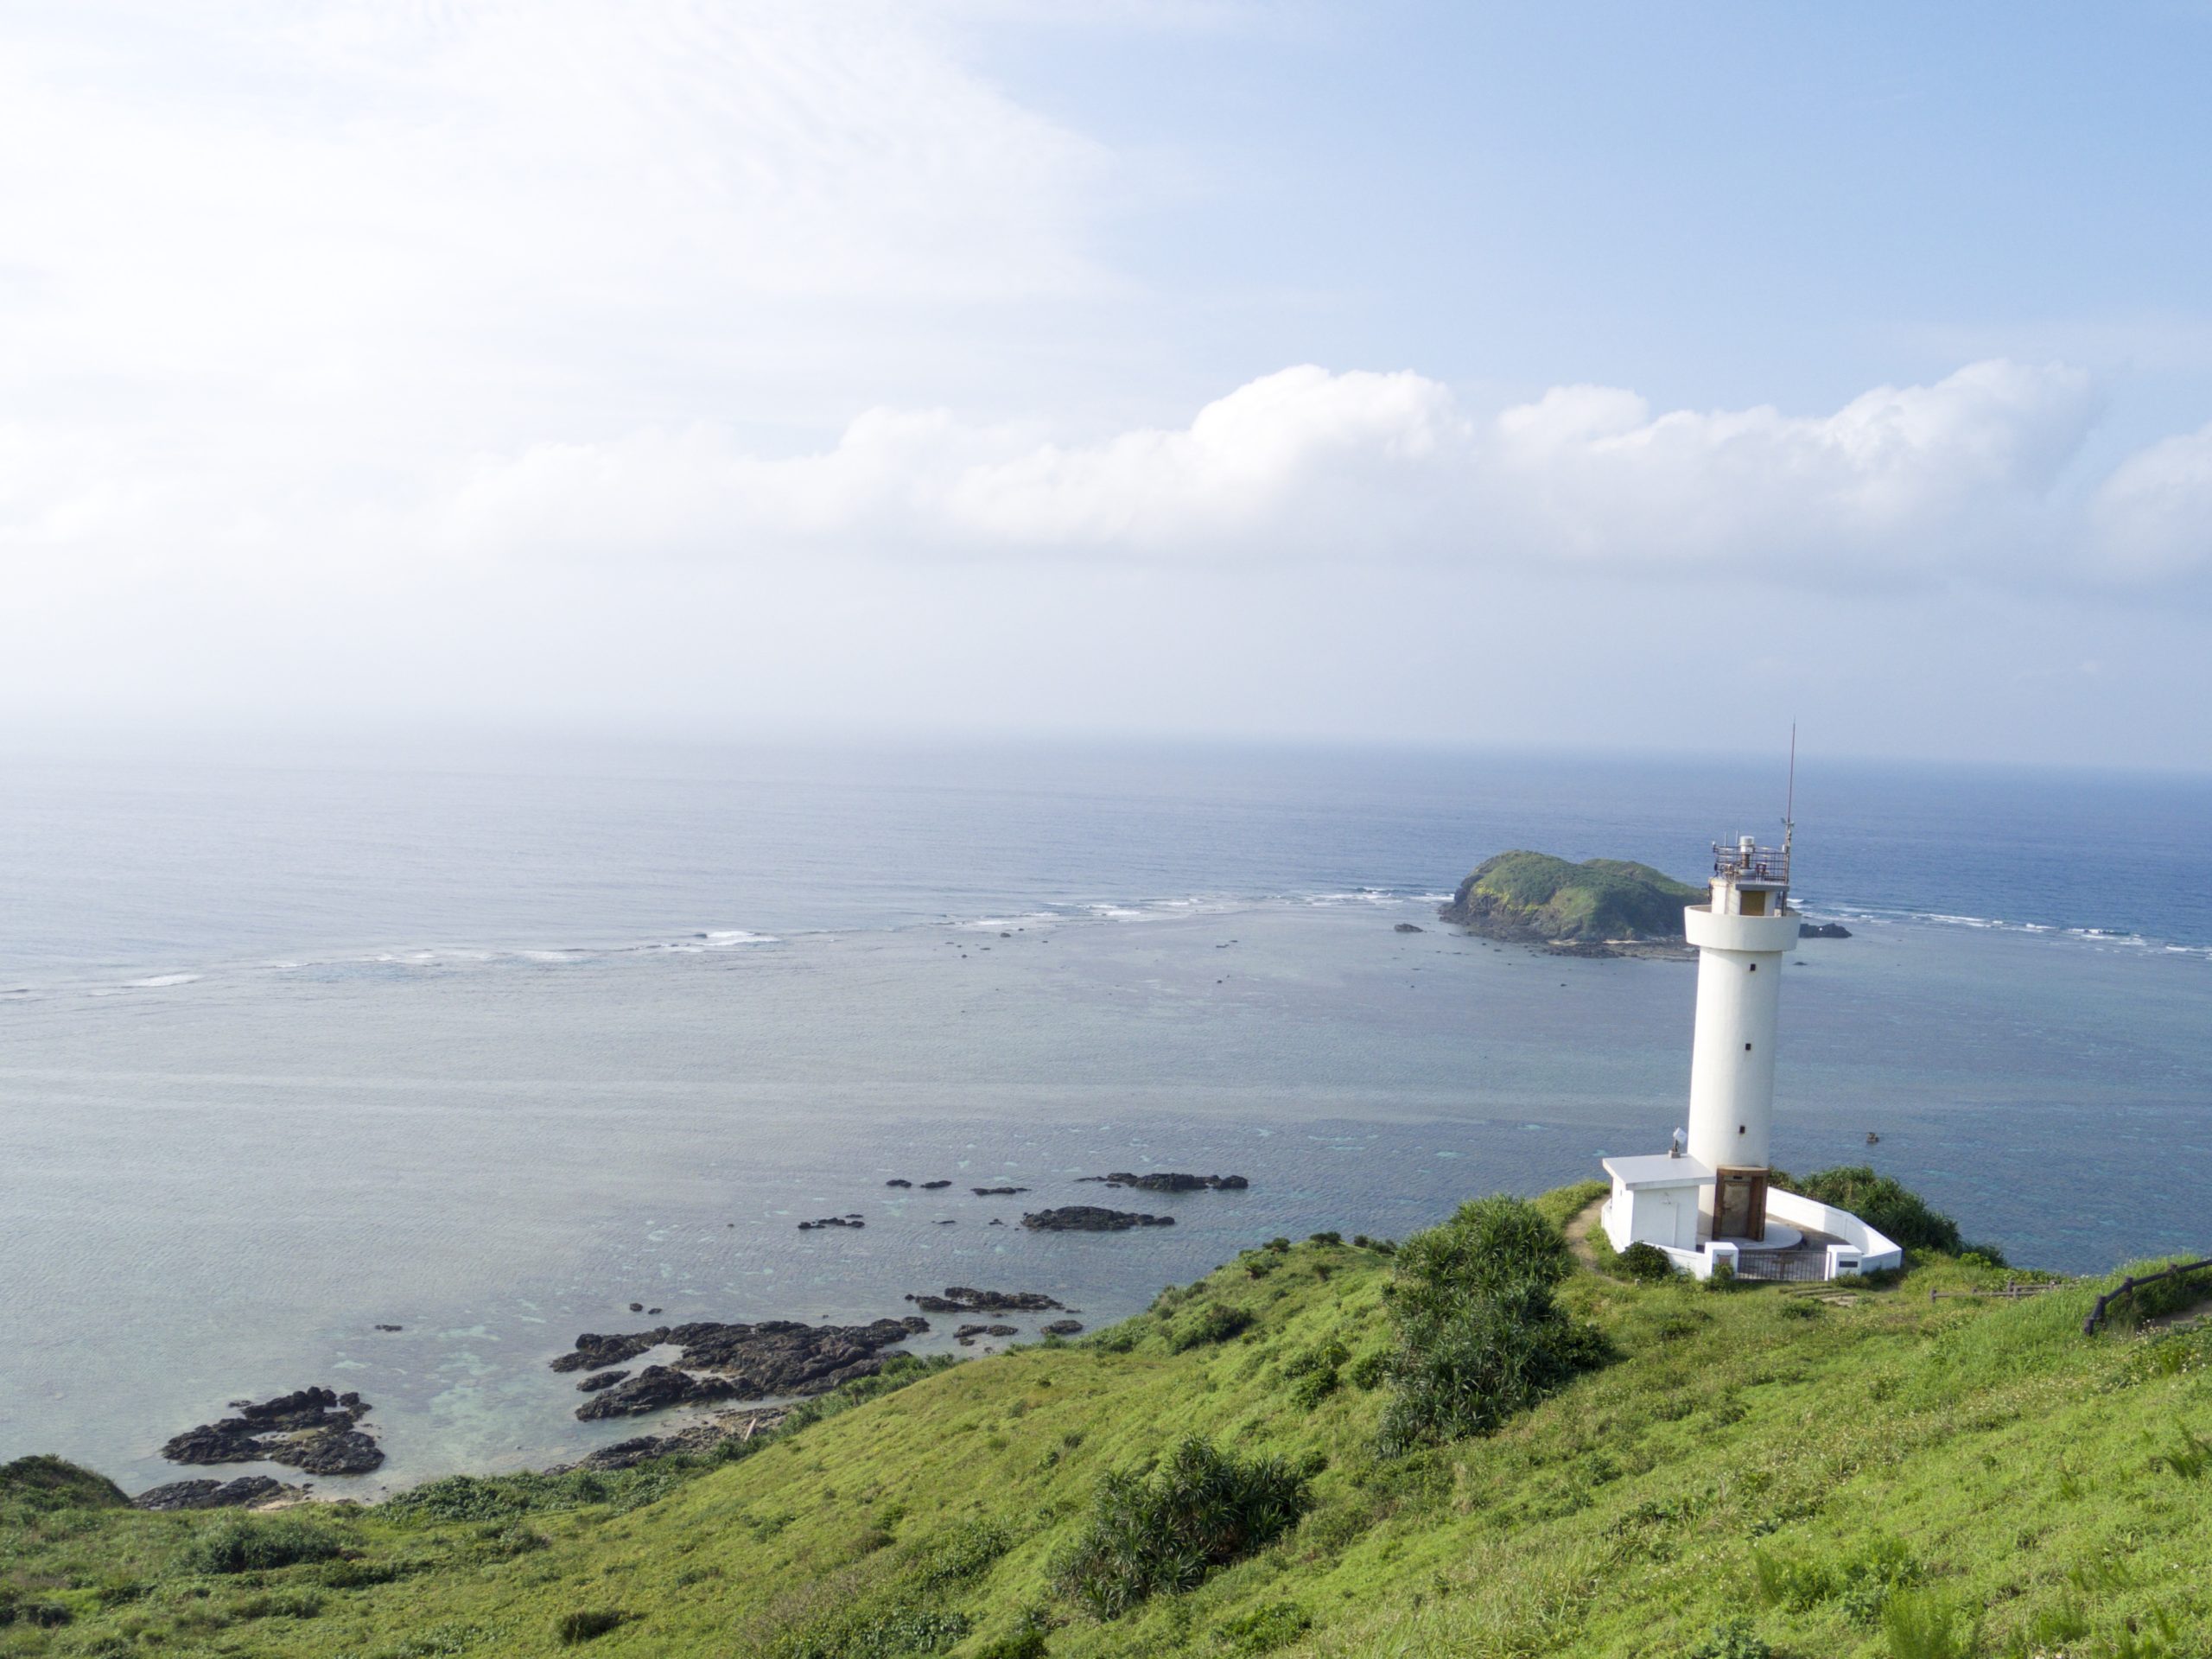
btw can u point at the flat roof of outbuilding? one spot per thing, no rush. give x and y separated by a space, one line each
1657 1169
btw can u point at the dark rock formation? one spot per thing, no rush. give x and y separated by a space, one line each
600 1380
637 1308
996 1191
655 1389
209 1494
1822 931
596 1353
965 1298
699 1437
1407 927
934 1186
966 1335
311 1429
775 1359
334 1452
948 1222
1089 1218
1169 1181
1063 1328
831 1221
898 1183
388 1327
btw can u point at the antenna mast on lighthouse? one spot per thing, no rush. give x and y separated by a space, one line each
1789 799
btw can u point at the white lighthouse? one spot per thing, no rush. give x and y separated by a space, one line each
1741 937
1710 1205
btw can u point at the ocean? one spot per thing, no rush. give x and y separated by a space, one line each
489 1041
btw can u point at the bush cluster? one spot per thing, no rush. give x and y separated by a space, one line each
243 1545
1647 1263
1480 1337
1216 1322
1884 1204
1203 1508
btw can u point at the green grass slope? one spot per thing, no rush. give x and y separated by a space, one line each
1524 895
1900 1475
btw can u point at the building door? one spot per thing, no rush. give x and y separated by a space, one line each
1739 1204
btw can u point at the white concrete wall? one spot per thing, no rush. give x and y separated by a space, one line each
1666 1217
1739 1002
1877 1250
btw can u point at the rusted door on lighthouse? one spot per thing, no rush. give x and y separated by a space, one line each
1739 1204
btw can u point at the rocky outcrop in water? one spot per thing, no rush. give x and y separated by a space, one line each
310 1429
896 1182
934 1186
655 1389
965 1298
853 1220
1063 1328
966 1335
996 1191
1169 1180
697 1438
1089 1218
1822 931
601 1380
773 1359
594 1352
1407 927
210 1494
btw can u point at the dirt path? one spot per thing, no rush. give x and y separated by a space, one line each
1578 1225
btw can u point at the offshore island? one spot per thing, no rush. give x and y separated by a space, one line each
1705 1410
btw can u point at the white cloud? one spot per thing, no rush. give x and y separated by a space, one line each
2154 516
1900 483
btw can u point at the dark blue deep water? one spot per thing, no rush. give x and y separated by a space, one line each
489 1042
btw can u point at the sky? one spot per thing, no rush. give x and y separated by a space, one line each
1609 376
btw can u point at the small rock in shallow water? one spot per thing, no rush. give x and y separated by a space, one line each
996 1191
1063 1328
933 1186
1406 927
1089 1218
208 1494
599 1380
895 1183
637 1308
388 1327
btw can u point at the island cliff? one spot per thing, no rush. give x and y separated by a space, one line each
1592 907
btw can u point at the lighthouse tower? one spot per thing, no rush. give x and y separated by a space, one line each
1741 937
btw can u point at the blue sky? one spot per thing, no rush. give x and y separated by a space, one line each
1547 375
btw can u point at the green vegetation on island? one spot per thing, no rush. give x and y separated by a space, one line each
1534 898
1493 1441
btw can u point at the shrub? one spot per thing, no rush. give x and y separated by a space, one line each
1369 1369
1647 1263
1330 1237
1204 1509
1480 1337
240 1545
584 1624
43 1483
1216 1322
1882 1203
1734 1639
1924 1627
1263 1630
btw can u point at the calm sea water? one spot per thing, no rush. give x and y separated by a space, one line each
491 1044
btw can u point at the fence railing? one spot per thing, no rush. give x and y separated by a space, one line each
2131 1284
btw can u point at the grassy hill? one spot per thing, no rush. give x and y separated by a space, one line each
1534 896
1750 1470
